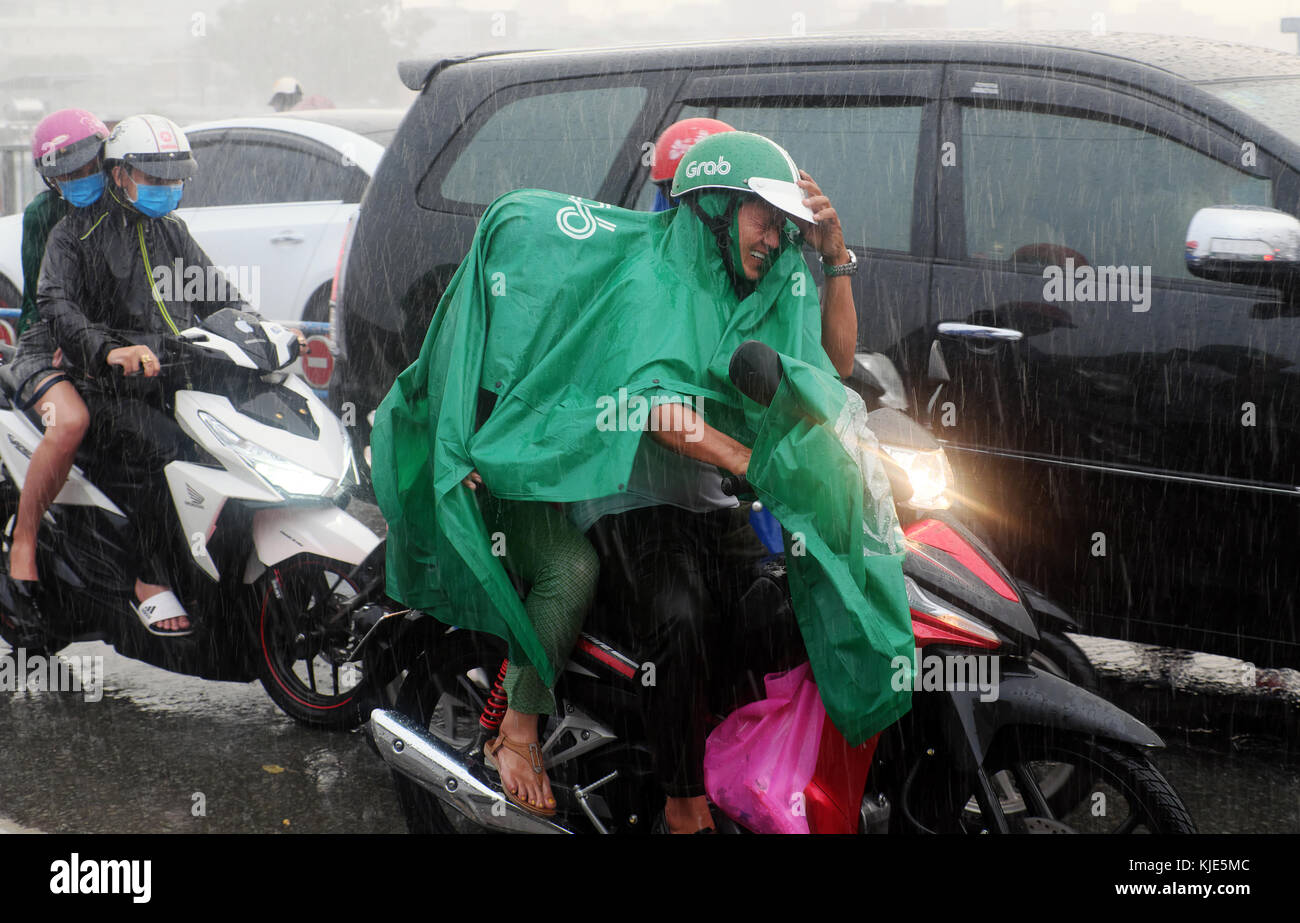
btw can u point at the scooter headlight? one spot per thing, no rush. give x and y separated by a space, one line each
929 474
925 606
284 475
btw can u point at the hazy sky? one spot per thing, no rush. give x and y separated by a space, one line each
1251 21
56 53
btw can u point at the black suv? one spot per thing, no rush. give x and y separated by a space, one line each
1128 433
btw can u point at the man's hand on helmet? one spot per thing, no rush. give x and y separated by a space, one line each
826 235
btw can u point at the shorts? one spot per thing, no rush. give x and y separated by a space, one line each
34 361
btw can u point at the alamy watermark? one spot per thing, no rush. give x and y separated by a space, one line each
20 671
947 673
1098 283
179 282
76 875
634 412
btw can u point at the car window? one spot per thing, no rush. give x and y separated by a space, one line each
210 154
257 169
564 141
1275 101
862 156
1036 182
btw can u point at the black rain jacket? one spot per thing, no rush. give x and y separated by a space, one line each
111 278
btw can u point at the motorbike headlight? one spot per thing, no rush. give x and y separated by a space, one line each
929 474
925 606
284 475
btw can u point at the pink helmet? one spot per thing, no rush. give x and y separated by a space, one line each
676 140
66 141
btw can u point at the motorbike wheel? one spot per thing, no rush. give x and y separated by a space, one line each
1062 784
1126 792
447 696
303 642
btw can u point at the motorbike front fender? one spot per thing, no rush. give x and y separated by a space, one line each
281 532
1032 698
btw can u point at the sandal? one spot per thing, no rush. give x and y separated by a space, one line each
20 611
160 608
530 752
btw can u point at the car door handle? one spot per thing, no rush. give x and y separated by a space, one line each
287 237
977 332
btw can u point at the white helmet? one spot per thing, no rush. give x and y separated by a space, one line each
286 85
153 145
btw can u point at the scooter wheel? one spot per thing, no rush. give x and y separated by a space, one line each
445 690
1126 792
303 643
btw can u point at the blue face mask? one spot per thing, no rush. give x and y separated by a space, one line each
82 192
156 201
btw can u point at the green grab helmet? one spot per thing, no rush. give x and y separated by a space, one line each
744 162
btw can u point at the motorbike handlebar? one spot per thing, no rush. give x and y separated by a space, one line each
735 485
168 353
755 370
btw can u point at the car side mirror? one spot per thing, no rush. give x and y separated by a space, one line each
1247 244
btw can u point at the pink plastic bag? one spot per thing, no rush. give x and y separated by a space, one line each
759 760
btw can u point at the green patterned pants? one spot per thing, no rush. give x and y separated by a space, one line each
547 552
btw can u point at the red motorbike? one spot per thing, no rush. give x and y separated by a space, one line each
1029 752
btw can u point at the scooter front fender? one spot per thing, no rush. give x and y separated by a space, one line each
1028 697
281 532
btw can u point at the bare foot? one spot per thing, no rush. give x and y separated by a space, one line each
145 591
517 772
22 560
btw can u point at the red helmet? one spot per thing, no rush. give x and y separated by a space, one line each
677 139
67 140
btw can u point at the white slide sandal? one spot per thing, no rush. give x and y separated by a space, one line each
160 608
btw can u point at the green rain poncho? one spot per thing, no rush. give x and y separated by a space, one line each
564 307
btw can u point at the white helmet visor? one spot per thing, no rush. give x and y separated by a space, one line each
784 195
168 165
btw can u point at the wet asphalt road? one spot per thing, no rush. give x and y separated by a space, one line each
135 761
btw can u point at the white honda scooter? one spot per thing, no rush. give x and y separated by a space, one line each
280 582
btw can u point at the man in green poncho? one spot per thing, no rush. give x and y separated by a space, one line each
584 326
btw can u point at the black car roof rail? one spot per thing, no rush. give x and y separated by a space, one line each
417 72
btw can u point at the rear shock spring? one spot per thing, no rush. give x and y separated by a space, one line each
495 708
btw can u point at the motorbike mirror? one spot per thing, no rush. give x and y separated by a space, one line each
866 381
284 343
879 374
756 370
937 373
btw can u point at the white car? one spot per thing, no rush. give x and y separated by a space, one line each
270 203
